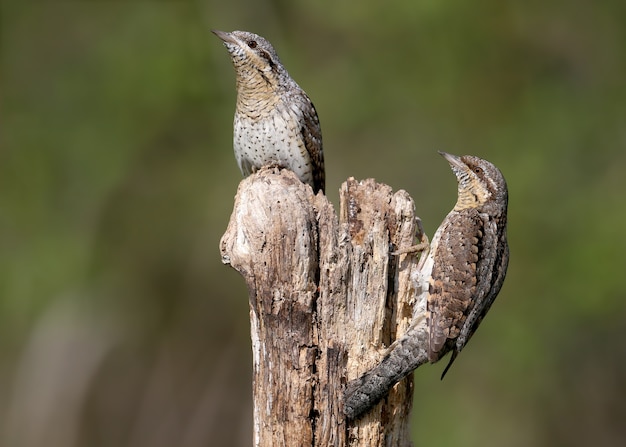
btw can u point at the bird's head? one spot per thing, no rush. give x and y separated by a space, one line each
481 184
254 58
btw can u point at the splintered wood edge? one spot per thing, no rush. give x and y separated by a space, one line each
352 309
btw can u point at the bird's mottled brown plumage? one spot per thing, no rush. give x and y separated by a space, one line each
457 280
469 254
275 122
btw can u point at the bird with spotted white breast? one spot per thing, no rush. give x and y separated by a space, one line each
457 281
275 122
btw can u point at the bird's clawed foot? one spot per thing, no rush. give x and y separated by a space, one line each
423 245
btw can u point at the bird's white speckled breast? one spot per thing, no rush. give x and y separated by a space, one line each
271 141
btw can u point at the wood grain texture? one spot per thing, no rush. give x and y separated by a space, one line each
326 298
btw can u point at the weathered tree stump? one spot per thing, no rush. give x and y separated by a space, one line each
326 297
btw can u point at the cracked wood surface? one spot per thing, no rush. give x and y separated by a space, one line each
326 298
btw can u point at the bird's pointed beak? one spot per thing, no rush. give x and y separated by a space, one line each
460 169
226 37
455 161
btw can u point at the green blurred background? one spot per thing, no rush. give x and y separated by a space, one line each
119 326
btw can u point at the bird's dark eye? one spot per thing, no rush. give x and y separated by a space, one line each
478 170
252 43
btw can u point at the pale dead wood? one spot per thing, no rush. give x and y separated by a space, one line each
326 296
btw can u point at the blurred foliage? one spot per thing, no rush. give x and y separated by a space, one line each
119 326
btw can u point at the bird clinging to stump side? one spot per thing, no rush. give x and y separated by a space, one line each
470 255
275 122
458 279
